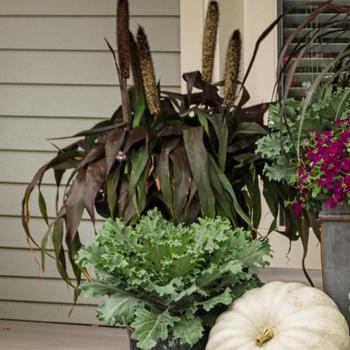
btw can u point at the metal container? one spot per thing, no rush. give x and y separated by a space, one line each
335 245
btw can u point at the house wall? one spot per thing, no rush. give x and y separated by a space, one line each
56 78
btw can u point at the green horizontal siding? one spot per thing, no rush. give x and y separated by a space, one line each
82 33
12 235
48 312
46 291
76 68
87 7
58 78
60 100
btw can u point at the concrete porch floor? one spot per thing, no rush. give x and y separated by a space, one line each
18 335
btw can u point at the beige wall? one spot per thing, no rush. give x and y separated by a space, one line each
251 17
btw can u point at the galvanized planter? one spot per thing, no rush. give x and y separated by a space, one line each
335 245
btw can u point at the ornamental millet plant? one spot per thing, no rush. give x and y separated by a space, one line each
188 155
324 171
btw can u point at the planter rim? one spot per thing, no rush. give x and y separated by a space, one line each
340 213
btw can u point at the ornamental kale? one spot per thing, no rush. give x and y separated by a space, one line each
324 171
280 164
165 280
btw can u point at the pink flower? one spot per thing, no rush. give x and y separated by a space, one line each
331 202
325 170
347 179
345 135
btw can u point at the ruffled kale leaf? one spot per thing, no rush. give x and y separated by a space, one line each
170 281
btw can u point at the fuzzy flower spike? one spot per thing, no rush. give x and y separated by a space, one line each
233 59
135 64
123 38
209 40
147 71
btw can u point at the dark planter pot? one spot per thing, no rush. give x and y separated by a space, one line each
335 245
171 344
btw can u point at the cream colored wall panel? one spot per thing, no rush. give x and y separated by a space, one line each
46 290
290 275
70 101
283 258
83 33
290 256
44 312
33 133
258 15
86 7
191 31
12 233
76 68
231 20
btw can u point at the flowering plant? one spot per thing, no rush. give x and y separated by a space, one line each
323 175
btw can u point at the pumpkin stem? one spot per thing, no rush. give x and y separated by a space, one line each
264 336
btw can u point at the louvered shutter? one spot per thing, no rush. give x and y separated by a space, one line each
322 51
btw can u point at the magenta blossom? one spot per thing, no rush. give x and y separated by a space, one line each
324 173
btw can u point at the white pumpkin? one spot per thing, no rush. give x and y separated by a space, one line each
281 316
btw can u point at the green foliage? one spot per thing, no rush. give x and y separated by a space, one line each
148 327
195 159
279 146
188 330
163 279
